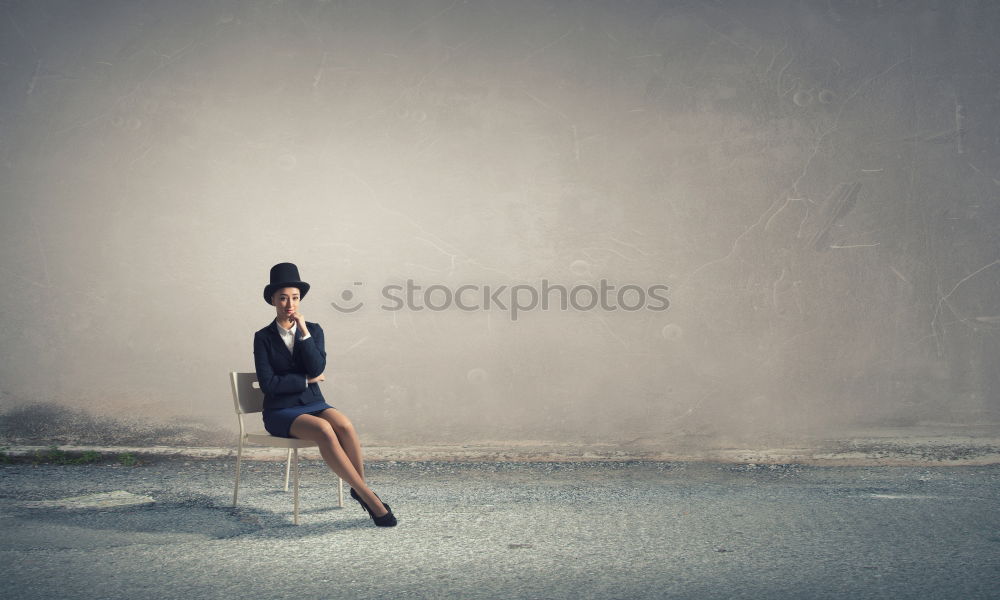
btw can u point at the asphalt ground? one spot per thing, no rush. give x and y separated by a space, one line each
165 528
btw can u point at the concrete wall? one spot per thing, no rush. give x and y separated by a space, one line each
816 183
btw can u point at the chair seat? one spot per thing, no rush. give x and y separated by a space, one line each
266 439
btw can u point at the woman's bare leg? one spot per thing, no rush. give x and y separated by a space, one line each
308 427
348 437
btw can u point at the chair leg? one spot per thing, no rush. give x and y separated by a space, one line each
340 492
295 518
239 459
288 465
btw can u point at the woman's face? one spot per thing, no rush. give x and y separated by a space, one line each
286 302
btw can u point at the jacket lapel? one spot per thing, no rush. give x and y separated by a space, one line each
278 341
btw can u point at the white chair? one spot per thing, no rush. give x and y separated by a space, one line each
248 398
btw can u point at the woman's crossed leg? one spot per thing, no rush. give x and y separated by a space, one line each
348 437
321 431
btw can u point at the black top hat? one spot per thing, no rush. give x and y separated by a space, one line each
284 275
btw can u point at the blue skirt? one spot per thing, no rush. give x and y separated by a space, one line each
278 421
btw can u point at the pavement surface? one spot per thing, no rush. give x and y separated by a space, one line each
965 446
165 528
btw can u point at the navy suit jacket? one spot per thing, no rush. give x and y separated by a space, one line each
282 374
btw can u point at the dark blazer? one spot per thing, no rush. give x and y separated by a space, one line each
282 374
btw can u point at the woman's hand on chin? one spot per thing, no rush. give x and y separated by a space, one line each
300 320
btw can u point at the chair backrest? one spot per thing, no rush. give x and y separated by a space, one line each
247 395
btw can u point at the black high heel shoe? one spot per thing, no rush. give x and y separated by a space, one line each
386 520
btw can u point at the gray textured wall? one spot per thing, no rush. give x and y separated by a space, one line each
816 182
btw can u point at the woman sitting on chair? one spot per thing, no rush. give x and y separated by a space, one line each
290 361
